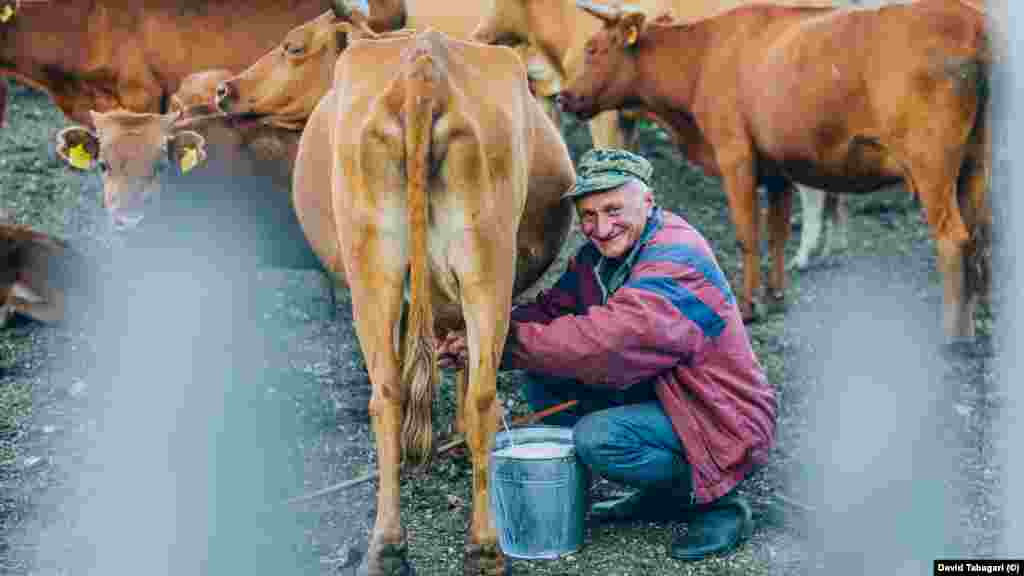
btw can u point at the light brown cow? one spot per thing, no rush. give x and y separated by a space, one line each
847 100
132 151
108 54
213 167
444 175
36 273
283 86
240 175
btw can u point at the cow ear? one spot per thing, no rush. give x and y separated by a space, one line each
631 23
78 147
7 12
187 149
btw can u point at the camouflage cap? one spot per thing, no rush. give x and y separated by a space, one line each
605 168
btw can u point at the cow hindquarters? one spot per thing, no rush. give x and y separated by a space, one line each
486 292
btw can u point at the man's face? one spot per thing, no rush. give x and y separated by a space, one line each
614 219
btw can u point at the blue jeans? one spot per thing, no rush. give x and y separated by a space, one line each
623 436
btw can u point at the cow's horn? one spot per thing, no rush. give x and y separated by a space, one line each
602 11
345 8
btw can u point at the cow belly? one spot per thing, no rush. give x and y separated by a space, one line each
858 165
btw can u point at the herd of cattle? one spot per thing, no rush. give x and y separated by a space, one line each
412 147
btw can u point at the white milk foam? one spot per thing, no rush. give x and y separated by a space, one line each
535 450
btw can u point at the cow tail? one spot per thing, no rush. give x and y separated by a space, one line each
419 370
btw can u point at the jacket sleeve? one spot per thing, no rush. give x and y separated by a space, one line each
661 317
559 300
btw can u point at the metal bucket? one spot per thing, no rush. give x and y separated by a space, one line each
538 500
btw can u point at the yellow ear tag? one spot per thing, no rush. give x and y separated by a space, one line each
7 13
80 157
189 159
631 36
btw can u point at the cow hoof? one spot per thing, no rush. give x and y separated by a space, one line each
484 560
386 560
965 348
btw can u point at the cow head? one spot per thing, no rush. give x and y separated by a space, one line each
284 86
132 152
196 93
506 23
540 24
610 63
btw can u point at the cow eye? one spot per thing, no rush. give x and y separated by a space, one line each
293 49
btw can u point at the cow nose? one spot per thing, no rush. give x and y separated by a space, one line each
562 100
223 96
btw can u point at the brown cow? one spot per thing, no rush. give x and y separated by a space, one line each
283 86
443 171
109 54
36 273
847 100
559 31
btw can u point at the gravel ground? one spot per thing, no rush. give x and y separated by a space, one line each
885 452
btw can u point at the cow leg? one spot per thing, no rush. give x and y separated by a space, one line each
780 208
49 312
605 130
812 202
486 305
327 284
837 212
629 128
461 383
977 262
375 278
940 203
740 187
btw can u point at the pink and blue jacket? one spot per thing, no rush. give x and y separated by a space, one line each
668 314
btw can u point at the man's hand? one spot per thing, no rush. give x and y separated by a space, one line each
452 352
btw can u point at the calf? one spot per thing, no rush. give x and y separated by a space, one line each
429 167
844 99
205 169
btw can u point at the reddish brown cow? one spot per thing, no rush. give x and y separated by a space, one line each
108 54
36 273
847 100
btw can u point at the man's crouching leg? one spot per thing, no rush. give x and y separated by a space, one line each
635 445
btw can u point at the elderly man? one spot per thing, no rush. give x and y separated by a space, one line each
644 331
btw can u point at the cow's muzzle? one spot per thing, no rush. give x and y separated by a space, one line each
574 104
